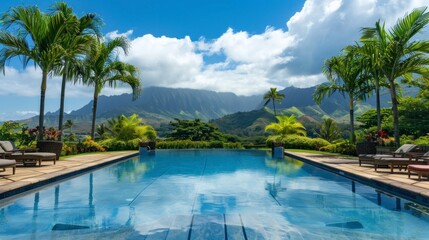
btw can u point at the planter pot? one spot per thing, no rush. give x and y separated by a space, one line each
150 145
366 148
50 146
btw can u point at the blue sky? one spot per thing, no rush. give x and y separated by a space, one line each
244 47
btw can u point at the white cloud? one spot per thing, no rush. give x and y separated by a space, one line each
115 34
165 61
27 112
322 34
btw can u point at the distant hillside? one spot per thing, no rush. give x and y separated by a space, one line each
245 123
158 106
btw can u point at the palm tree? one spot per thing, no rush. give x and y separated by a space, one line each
37 38
77 41
328 130
273 96
371 59
345 74
284 127
401 54
128 128
101 67
69 124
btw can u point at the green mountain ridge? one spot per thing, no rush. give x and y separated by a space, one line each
232 113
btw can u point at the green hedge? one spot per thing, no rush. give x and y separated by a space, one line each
342 147
300 142
116 145
187 144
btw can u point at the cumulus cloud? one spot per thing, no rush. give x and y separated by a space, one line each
324 27
250 64
239 62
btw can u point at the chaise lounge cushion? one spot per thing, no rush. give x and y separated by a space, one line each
34 156
419 169
7 146
7 163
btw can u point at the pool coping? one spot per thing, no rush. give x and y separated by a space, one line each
23 186
406 191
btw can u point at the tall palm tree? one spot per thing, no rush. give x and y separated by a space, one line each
284 127
345 75
36 37
372 64
77 41
101 67
273 96
402 56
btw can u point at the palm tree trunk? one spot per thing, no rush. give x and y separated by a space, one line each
42 103
63 90
377 103
395 112
352 122
274 107
94 113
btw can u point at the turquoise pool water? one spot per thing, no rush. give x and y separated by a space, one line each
210 194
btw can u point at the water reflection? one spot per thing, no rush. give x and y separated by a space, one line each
133 170
283 167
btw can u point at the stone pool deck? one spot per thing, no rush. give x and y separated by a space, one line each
397 183
27 177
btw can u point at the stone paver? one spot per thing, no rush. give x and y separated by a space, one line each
399 179
25 176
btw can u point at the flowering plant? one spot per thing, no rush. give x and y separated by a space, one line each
48 134
380 137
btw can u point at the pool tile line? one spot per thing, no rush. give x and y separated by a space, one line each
199 183
382 181
154 180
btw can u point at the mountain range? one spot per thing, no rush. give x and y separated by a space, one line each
158 106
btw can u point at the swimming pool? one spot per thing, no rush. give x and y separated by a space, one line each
211 194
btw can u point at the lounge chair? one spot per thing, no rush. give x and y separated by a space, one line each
392 162
33 157
400 152
8 149
8 163
9 146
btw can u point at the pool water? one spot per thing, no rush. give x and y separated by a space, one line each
211 194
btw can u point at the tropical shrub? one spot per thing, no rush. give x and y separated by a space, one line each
423 140
343 147
125 133
328 130
195 130
89 145
285 127
70 148
300 142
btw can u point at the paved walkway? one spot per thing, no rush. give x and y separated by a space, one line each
26 176
399 179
